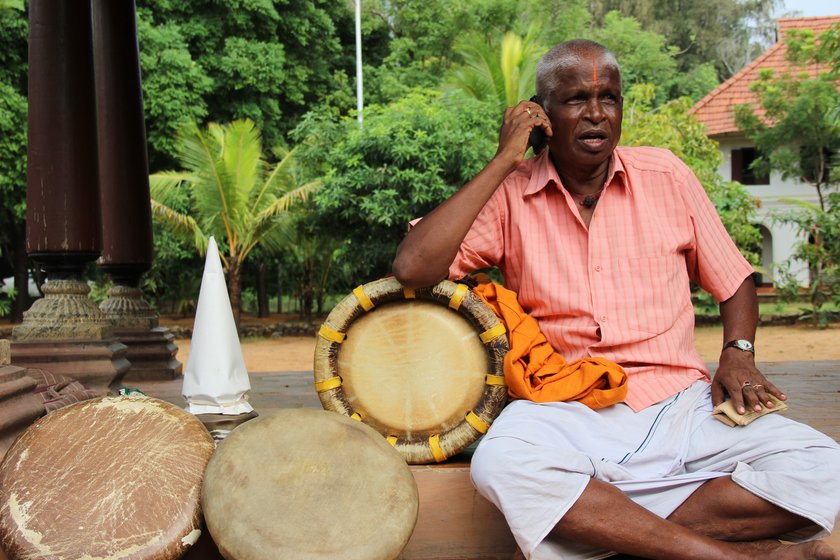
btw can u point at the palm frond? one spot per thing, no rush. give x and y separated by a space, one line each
202 154
242 156
266 219
181 225
163 185
281 178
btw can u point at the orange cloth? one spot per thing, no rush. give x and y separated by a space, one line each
536 372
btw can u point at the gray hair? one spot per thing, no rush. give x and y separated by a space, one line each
562 57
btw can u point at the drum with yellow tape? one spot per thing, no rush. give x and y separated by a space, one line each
424 367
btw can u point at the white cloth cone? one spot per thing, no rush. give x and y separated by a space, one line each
215 380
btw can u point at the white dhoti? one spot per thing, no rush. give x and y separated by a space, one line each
536 460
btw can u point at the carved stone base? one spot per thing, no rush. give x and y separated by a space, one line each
125 308
19 406
151 353
64 313
98 364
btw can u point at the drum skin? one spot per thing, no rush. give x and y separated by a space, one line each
113 477
425 368
307 484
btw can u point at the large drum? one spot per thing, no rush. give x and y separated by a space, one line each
308 484
425 368
112 477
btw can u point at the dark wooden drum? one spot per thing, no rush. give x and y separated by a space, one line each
425 368
112 477
308 484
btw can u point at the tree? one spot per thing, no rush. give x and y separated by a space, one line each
14 31
821 251
796 128
796 123
646 58
221 60
727 33
502 73
409 156
234 194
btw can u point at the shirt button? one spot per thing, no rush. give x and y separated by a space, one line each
603 318
597 268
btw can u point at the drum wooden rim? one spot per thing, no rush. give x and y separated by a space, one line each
364 299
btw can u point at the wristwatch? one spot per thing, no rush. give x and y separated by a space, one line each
740 344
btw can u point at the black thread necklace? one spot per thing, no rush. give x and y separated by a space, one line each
589 200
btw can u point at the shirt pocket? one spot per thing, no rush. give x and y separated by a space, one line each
651 290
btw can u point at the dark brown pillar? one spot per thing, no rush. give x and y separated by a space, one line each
62 197
127 250
64 332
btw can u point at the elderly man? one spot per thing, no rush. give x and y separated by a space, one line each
600 242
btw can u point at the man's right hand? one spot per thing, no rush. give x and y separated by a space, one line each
424 256
516 128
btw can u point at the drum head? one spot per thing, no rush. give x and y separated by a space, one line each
415 368
114 477
425 368
309 485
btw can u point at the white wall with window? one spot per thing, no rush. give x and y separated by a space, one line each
774 194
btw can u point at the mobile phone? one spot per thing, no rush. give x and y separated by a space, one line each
538 138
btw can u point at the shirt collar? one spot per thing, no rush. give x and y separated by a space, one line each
543 173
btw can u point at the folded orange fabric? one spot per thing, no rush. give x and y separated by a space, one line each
535 371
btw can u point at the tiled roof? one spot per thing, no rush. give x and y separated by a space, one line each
716 110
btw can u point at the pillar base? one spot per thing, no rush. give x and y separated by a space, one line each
64 313
99 364
151 353
19 406
135 322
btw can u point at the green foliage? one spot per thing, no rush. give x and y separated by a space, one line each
646 58
174 87
670 126
799 130
501 74
819 249
309 261
268 61
232 192
409 156
726 33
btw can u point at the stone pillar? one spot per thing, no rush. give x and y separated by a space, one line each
127 246
64 332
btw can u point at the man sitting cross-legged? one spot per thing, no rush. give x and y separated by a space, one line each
601 242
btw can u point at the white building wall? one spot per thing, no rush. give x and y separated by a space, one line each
773 200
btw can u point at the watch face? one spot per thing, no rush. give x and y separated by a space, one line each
742 344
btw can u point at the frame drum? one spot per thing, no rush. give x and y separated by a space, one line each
308 484
112 477
425 368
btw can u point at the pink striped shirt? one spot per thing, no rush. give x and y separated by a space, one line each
621 288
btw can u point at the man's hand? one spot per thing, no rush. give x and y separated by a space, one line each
516 128
738 377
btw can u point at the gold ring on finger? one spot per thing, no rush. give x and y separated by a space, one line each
530 114
757 387
745 384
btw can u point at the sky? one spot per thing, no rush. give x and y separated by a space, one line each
810 7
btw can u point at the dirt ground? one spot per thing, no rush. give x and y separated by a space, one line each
774 344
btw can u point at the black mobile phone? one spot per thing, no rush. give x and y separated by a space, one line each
538 138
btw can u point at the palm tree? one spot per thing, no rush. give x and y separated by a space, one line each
503 74
230 192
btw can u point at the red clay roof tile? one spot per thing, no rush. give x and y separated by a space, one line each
716 109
